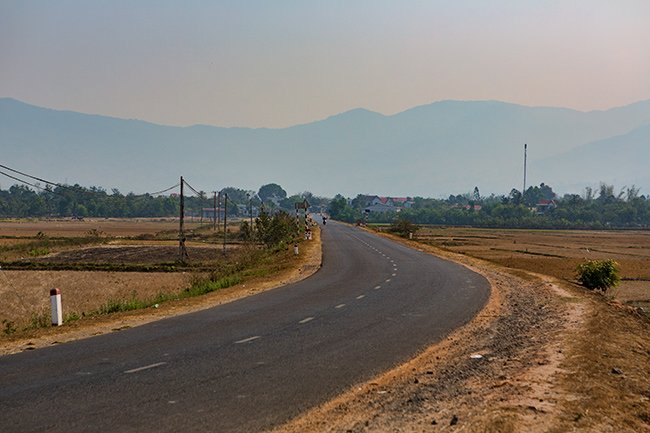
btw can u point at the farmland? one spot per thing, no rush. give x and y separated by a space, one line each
555 253
100 262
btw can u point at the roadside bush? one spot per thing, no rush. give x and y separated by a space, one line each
403 227
273 230
9 326
598 274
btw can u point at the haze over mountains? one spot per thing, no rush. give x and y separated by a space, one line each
433 150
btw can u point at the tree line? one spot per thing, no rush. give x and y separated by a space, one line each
21 201
537 207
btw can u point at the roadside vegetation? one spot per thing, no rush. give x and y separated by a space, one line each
260 251
598 274
537 207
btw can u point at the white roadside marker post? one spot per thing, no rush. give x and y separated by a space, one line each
295 249
57 310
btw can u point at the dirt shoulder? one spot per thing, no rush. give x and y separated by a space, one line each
541 356
308 262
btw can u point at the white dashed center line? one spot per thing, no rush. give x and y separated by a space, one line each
361 296
377 287
306 319
146 367
246 340
340 306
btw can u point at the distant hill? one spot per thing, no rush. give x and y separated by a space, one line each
432 150
620 161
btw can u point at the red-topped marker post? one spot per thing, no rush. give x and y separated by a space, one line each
57 310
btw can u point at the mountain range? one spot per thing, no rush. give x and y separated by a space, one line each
434 150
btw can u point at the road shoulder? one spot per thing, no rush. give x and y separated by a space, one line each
523 364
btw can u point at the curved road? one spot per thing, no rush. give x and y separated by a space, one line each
254 363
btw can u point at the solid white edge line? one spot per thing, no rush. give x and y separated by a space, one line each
146 367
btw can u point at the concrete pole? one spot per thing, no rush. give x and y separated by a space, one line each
57 309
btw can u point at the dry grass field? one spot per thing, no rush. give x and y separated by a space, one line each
94 242
70 227
555 253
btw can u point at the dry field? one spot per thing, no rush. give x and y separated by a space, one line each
70 227
25 293
555 253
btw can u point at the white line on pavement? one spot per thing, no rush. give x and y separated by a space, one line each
146 367
340 306
246 340
306 319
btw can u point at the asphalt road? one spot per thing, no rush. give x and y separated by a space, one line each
254 363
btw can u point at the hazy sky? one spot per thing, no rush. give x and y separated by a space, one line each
280 63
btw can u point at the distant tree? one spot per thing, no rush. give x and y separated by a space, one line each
271 192
515 197
606 193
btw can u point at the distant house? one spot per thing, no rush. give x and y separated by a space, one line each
544 206
387 204
404 202
208 213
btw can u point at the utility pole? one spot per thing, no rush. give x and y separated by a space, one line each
218 209
214 215
250 213
525 161
182 251
225 220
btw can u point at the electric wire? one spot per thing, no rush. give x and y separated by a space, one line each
34 177
164 190
83 190
194 190
30 184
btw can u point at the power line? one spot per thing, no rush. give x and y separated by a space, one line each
32 177
195 191
164 190
28 183
82 190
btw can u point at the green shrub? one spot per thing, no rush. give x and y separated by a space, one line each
35 252
10 327
42 319
403 227
598 274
